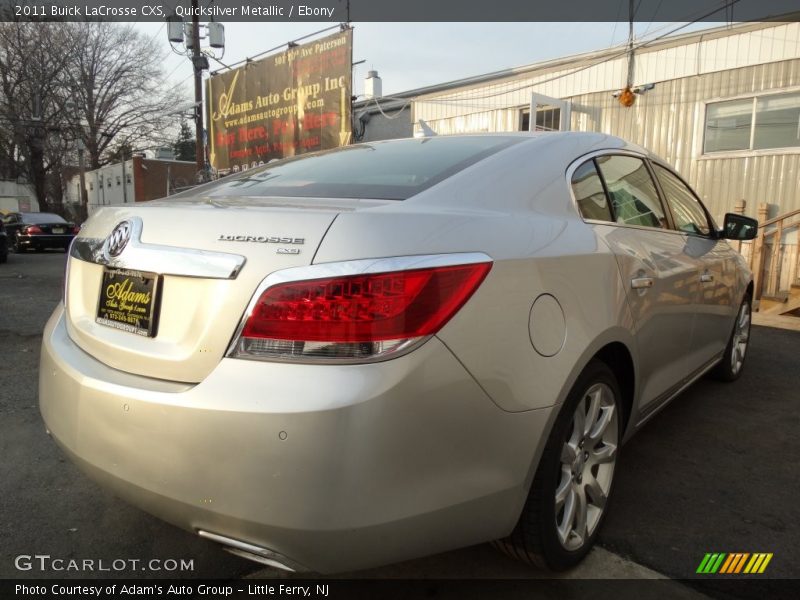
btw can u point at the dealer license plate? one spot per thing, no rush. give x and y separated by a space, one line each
129 301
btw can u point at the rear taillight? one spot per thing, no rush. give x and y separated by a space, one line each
32 229
76 230
357 317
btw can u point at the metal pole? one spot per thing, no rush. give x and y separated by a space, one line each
124 180
198 90
82 172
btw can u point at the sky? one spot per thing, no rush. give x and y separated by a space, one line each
413 55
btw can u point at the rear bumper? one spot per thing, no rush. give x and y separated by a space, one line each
335 467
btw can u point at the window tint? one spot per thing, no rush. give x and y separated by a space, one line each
384 170
686 210
633 195
32 218
589 193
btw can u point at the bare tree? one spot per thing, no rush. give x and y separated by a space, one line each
101 83
119 90
33 60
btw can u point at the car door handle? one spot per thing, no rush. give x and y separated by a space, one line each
639 283
706 278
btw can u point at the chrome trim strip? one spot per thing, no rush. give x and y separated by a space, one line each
354 267
255 553
155 258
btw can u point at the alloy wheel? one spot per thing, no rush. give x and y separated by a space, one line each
741 336
587 464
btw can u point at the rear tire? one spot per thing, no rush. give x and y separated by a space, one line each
732 363
570 492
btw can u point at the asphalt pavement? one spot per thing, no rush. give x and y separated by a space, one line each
716 471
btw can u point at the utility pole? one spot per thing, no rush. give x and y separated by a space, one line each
190 38
82 172
198 91
124 180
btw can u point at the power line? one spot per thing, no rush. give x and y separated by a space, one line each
621 53
265 52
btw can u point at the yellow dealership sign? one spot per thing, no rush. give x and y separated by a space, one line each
282 105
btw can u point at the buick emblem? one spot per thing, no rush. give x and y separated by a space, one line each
116 242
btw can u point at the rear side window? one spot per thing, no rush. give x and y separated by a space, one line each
382 170
686 210
633 196
589 193
34 218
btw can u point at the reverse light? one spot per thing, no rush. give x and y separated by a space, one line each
356 318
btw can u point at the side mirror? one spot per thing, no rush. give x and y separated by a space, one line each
739 227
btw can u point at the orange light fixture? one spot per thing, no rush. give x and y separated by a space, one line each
627 97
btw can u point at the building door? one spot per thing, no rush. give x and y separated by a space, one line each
551 114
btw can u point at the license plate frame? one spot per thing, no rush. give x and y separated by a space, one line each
59 230
129 300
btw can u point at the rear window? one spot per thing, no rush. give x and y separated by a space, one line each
382 170
35 218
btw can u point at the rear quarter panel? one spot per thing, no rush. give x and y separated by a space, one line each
516 208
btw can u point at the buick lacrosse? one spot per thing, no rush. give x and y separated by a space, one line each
392 349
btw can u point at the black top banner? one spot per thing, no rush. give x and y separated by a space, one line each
405 10
292 587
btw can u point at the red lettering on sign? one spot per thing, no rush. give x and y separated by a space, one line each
327 119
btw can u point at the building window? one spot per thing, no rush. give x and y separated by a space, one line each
547 119
525 119
128 178
91 185
757 123
119 180
109 182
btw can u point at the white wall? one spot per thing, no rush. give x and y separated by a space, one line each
104 186
17 197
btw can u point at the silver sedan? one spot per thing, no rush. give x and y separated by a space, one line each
393 349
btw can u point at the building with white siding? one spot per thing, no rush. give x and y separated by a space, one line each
137 179
724 108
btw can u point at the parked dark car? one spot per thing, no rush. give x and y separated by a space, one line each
38 231
3 244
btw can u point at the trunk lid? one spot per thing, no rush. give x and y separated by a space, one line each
209 260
